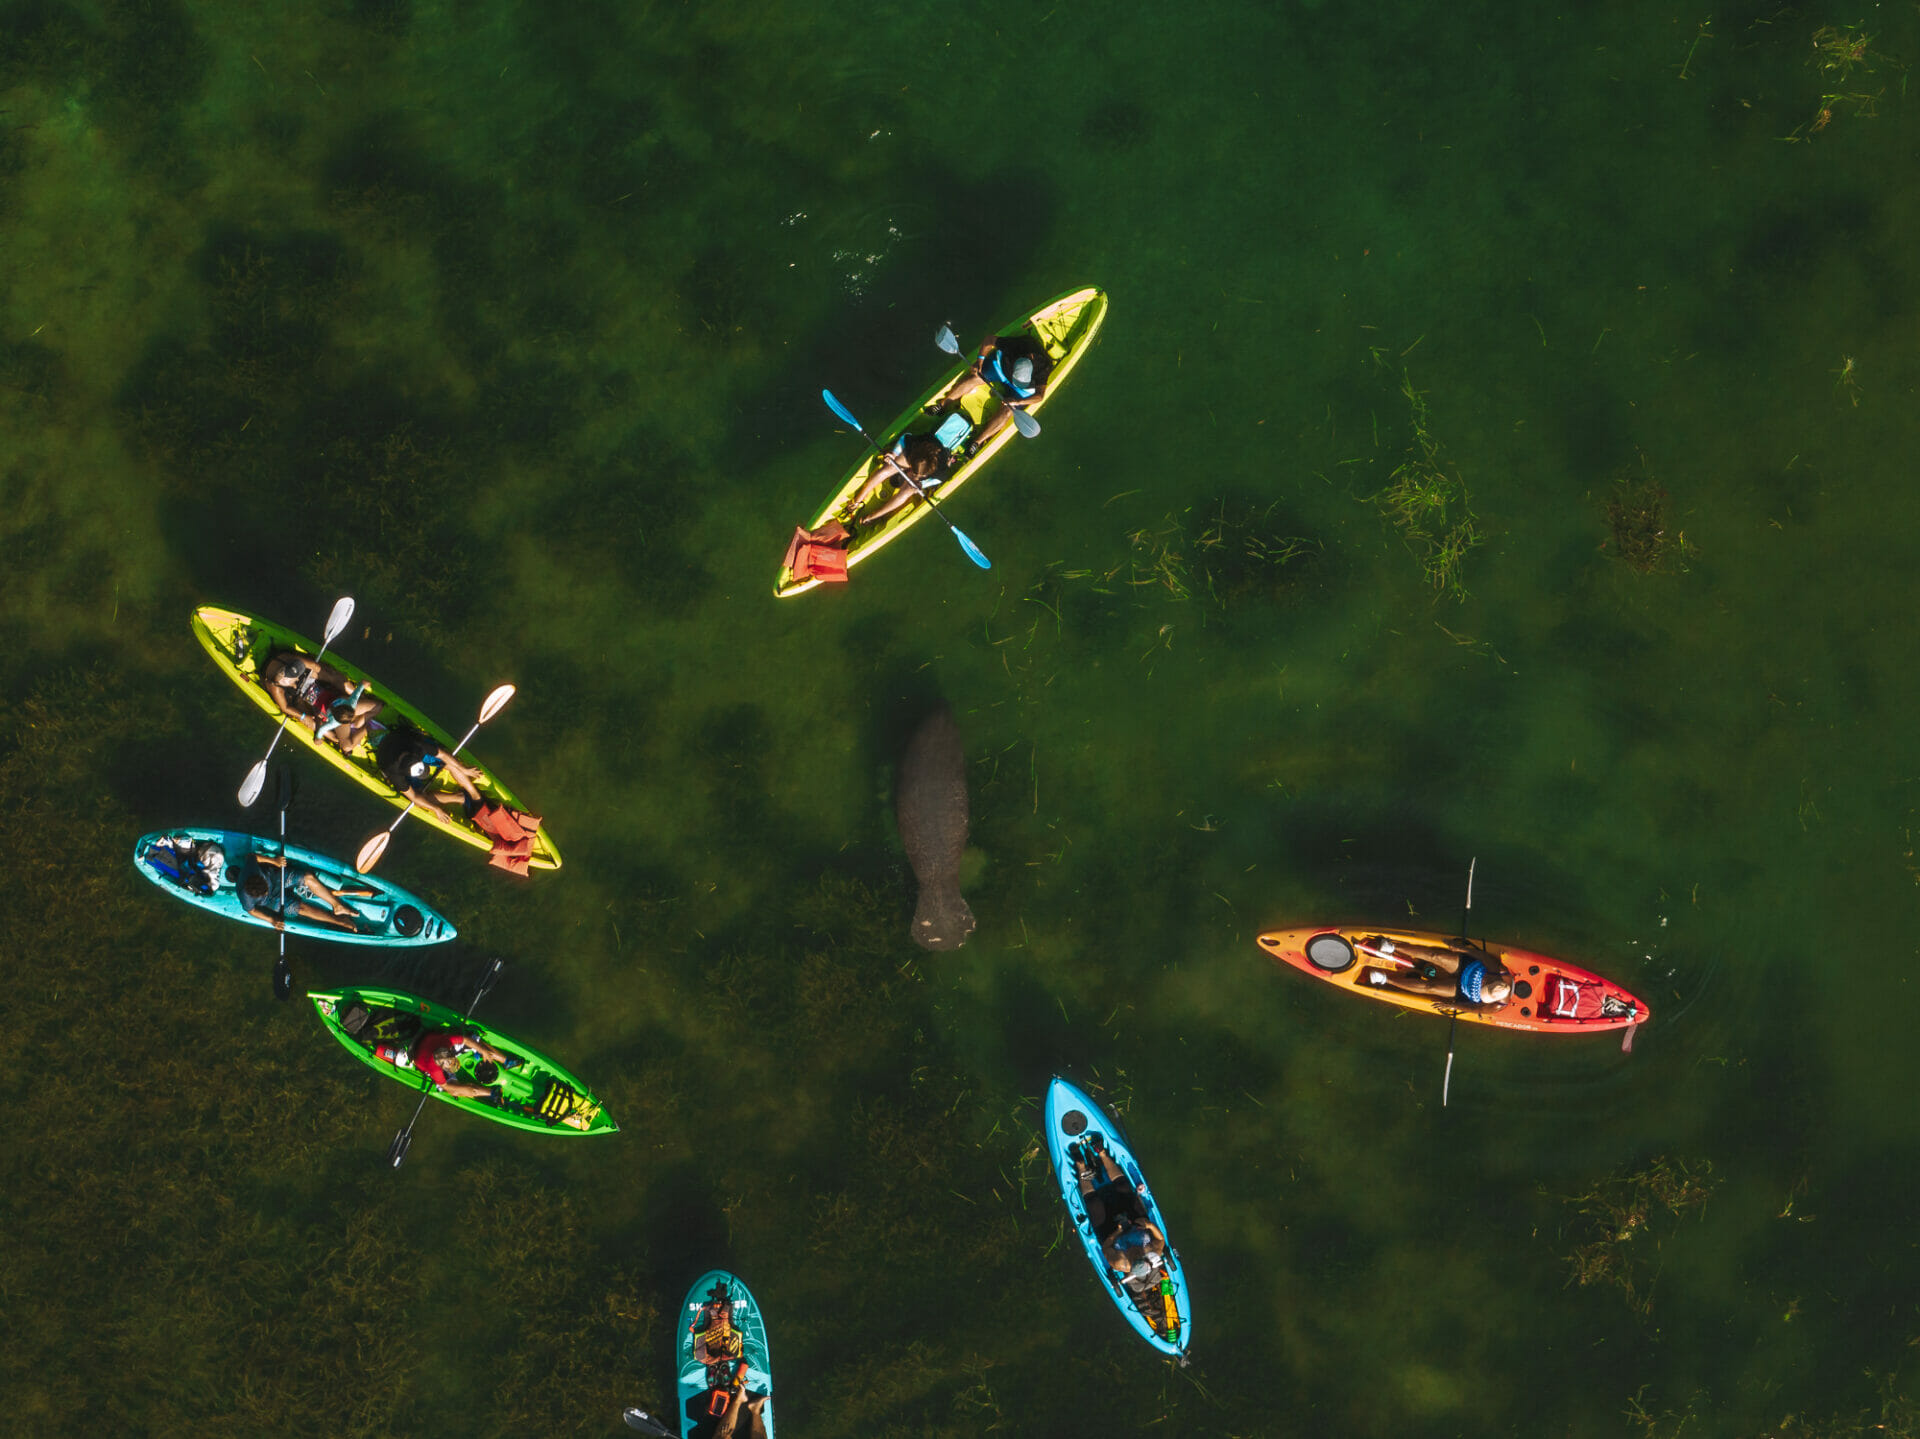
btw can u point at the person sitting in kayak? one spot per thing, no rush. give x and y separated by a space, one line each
1015 368
1133 1247
1465 975
273 890
925 459
320 697
436 1054
412 761
199 867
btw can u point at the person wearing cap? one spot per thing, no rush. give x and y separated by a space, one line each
1015 369
428 761
1464 976
320 697
436 1054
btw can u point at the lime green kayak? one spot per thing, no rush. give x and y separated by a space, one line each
535 1094
1065 328
241 643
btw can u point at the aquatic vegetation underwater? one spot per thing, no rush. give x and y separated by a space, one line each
1838 52
1226 554
1624 1207
1637 519
1426 499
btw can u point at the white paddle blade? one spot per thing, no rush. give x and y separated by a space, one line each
944 338
1026 424
495 702
371 851
341 617
251 786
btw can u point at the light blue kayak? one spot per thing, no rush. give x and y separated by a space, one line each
204 867
711 1291
1157 1307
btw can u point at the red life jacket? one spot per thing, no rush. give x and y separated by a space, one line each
819 554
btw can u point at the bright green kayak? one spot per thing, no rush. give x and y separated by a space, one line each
535 1094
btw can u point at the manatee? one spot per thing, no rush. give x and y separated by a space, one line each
932 810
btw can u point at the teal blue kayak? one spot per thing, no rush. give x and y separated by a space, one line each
1156 1304
720 1309
204 867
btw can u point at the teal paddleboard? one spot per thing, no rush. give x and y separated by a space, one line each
723 1309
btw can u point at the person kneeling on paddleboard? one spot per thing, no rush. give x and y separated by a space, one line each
1466 977
320 697
722 1349
273 890
436 1054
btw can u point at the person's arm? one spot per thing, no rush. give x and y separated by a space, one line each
278 861
284 704
464 776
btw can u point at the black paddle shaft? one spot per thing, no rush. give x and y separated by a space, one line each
402 1141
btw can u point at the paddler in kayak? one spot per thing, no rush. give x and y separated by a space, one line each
926 460
412 762
436 1054
320 697
1134 1249
1464 976
1015 369
198 867
273 890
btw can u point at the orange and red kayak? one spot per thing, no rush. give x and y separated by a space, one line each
1549 995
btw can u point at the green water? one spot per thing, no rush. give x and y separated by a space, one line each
510 321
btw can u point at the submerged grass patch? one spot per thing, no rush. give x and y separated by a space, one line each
1231 553
1427 501
1621 1208
1639 532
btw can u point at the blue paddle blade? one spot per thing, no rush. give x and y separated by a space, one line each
944 338
839 409
1026 424
973 550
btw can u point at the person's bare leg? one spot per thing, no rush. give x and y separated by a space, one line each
1445 987
320 890
900 499
317 915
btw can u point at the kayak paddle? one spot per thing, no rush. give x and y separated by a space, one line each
645 1423
1453 1021
371 851
397 1151
1022 421
282 974
972 550
257 776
